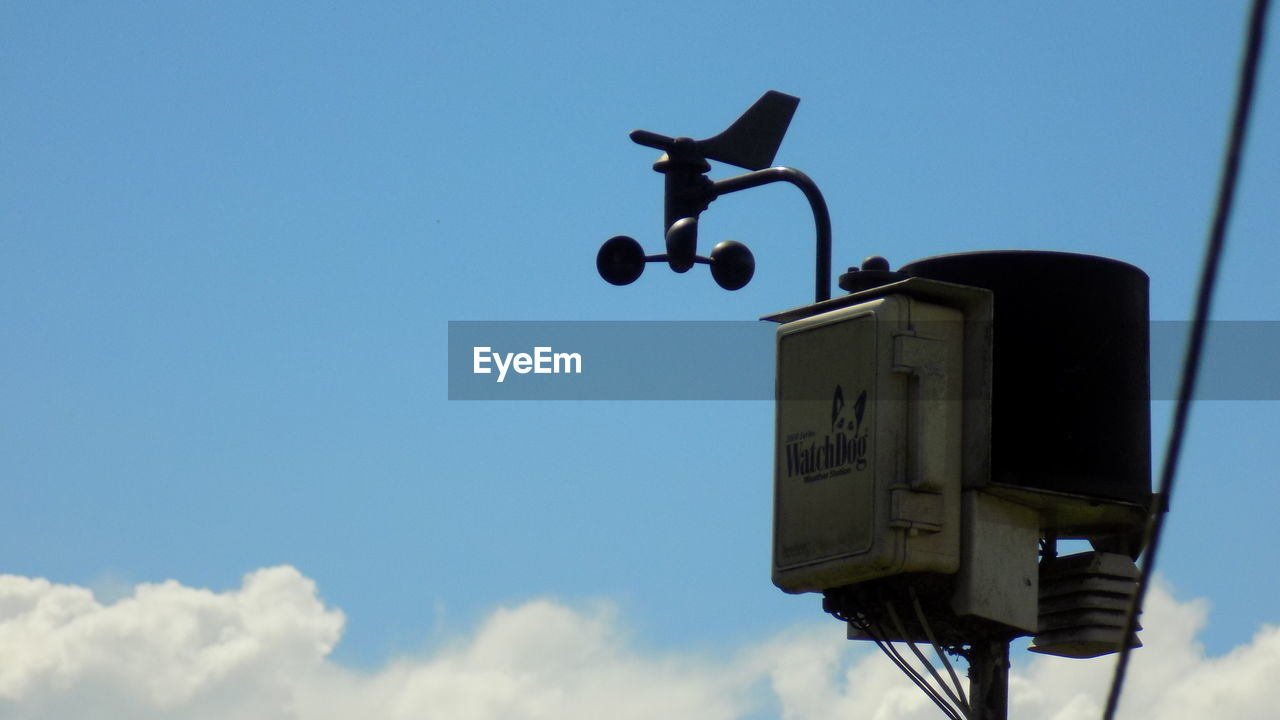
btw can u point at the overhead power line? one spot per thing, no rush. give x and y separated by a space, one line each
1195 344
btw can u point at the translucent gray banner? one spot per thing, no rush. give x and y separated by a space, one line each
639 360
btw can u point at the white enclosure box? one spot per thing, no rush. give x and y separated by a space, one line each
867 468
999 578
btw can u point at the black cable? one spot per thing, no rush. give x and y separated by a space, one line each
897 623
1195 344
919 680
890 652
963 702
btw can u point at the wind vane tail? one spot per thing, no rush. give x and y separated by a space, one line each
753 139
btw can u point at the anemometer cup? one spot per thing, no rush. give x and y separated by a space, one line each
732 265
620 260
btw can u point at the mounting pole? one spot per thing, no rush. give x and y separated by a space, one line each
989 678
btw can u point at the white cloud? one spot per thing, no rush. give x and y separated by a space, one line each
165 650
261 651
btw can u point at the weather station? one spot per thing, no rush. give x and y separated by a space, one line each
939 429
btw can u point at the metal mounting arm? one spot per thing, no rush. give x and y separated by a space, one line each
821 217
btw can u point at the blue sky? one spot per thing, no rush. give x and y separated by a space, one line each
232 236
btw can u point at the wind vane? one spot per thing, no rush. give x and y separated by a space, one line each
750 143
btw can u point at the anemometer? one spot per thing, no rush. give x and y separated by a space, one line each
750 143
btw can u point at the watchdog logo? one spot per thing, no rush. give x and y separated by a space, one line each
841 451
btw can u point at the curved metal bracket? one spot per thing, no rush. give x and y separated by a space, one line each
821 217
